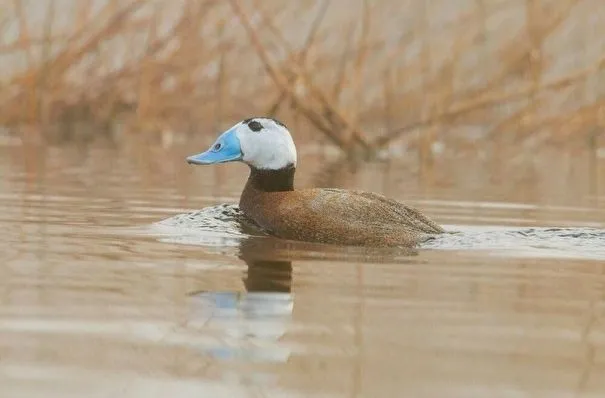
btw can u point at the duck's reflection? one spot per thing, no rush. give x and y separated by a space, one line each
266 272
247 325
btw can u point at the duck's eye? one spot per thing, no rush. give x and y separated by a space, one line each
217 146
255 126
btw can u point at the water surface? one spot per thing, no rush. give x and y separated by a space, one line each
109 288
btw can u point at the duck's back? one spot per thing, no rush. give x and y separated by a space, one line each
339 217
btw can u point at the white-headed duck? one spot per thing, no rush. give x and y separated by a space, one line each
325 215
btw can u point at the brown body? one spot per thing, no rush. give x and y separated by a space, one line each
332 216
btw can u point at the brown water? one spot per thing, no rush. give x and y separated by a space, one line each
103 294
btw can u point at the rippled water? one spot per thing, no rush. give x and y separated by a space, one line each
127 273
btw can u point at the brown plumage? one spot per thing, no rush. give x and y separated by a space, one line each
332 216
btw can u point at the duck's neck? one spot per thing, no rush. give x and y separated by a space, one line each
271 180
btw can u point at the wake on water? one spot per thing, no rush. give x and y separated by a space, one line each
225 225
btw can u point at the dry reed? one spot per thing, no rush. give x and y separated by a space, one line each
362 74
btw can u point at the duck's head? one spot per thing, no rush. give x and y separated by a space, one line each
262 143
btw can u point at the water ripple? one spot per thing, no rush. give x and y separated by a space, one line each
581 243
225 225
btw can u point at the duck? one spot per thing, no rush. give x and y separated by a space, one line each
320 215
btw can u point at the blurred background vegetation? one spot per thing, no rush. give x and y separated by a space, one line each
362 75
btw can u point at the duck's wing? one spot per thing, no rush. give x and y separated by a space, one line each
369 208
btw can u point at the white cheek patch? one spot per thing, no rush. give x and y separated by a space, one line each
271 148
